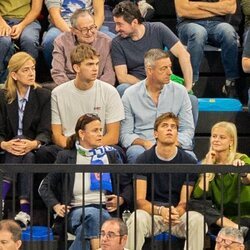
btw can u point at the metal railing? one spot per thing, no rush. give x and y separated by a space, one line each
113 169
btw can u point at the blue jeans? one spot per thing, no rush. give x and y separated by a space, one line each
196 34
91 225
48 43
28 42
50 36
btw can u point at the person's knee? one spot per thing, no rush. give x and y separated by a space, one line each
195 33
141 219
196 219
5 44
133 152
227 33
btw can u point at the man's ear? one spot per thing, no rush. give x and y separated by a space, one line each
155 134
76 68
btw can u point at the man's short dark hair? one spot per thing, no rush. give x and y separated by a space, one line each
166 116
12 227
128 10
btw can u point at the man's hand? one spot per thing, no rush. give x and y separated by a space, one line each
5 29
148 144
61 209
16 31
175 218
111 202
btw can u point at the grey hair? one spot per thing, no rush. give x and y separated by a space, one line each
152 55
232 232
79 13
123 229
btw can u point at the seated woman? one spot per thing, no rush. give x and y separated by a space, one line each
84 148
25 126
223 146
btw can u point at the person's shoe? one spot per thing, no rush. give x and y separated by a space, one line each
23 219
229 89
244 231
147 10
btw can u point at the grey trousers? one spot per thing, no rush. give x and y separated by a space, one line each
144 228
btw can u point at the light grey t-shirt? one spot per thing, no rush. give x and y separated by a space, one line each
68 103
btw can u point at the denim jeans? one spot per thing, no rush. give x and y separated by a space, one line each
196 34
91 225
28 42
50 36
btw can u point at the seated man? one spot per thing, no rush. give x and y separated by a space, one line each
245 5
169 202
135 38
18 24
83 30
85 94
60 12
146 100
204 22
230 238
10 235
114 234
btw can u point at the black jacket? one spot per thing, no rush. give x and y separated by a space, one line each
58 187
36 119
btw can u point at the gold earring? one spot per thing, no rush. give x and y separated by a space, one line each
230 148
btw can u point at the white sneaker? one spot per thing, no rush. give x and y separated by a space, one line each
23 219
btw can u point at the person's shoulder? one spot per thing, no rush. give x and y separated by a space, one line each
185 157
105 86
146 156
65 154
64 36
135 89
103 37
62 87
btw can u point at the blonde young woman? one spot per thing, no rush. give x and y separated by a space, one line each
25 118
223 146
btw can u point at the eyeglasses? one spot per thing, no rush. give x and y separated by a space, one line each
109 235
226 242
85 31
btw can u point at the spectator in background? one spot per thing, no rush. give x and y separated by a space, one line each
25 127
85 94
245 4
83 30
134 39
246 55
246 61
229 238
114 234
146 100
166 204
10 235
203 22
223 146
60 12
85 147
18 25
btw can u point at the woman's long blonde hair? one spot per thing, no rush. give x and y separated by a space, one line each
15 63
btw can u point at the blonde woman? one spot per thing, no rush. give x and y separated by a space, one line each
223 146
25 118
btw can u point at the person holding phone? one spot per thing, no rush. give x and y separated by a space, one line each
84 147
223 151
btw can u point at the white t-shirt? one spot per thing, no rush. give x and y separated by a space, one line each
68 103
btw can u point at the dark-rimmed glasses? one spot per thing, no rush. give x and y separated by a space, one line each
109 235
85 31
